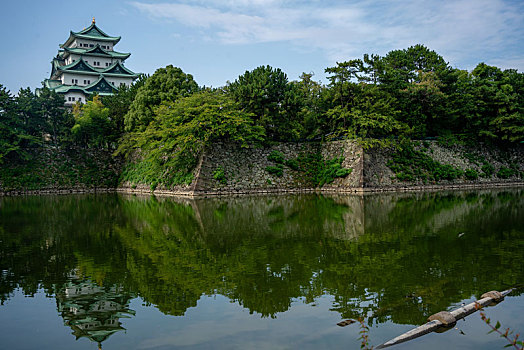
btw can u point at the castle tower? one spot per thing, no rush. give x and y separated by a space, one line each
86 64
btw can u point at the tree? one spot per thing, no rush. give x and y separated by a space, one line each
30 118
341 94
10 130
92 124
58 120
499 113
165 85
510 126
374 117
119 104
171 144
402 67
274 101
311 95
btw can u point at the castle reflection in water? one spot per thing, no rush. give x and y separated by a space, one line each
92 311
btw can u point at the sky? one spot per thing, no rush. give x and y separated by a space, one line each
218 40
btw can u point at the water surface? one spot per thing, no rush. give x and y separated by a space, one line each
275 272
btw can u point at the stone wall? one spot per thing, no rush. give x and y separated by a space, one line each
60 171
377 174
353 158
245 169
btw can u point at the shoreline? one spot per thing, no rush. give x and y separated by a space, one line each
204 194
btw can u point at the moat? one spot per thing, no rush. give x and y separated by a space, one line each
275 272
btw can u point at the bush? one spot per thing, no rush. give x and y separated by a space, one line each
276 157
292 163
402 176
409 164
275 170
153 186
220 176
343 172
331 169
471 174
505 173
487 169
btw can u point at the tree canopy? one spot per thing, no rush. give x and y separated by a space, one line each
274 102
165 85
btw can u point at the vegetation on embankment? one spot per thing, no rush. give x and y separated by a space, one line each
377 100
444 162
57 169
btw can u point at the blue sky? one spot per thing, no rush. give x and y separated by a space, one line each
217 40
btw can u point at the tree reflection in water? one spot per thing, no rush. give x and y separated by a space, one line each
399 257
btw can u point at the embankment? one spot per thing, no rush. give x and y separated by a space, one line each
55 170
304 167
339 166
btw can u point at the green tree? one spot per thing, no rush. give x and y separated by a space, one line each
30 118
341 94
165 85
510 125
58 120
403 67
171 144
119 104
274 102
92 124
11 136
373 118
499 113
414 77
311 94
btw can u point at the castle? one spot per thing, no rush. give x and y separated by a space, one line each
86 64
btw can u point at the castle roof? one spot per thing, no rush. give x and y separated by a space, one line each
90 33
79 66
117 69
101 87
94 51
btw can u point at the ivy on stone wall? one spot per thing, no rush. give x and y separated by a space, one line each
316 169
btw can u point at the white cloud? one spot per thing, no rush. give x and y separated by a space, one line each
459 30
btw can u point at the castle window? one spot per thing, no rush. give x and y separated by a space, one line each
107 64
91 45
72 98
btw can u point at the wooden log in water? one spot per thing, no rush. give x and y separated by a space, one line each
457 314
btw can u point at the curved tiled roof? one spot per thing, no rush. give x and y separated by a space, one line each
117 69
95 51
101 87
91 33
79 66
